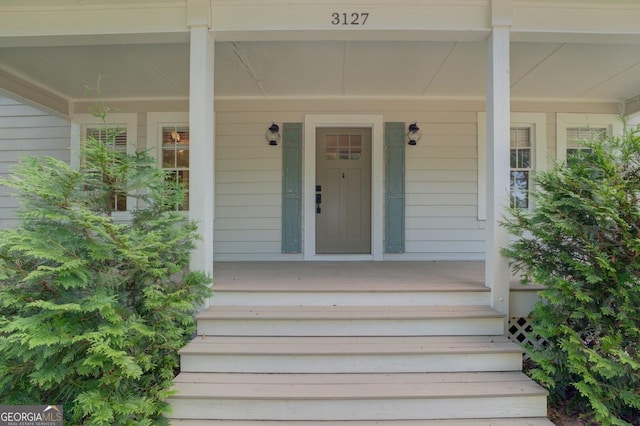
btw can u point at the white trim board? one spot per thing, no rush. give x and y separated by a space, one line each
311 123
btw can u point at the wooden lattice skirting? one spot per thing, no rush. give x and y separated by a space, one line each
519 331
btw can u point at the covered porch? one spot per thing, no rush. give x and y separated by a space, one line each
227 70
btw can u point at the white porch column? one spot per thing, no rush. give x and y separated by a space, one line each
498 145
201 150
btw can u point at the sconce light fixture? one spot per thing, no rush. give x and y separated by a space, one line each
273 134
414 134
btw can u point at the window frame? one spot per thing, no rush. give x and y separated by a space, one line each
537 124
155 122
79 126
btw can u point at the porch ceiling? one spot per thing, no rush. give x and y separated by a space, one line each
553 70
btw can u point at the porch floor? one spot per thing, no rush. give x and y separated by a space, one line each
353 276
349 275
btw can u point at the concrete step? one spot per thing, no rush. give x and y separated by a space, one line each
350 294
350 321
239 354
375 397
531 421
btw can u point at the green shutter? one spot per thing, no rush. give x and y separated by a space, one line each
292 187
394 226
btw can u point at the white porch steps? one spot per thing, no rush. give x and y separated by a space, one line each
341 320
325 355
386 354
532 421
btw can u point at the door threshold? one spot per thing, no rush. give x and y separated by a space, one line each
339 257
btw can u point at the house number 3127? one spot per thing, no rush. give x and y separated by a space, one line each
353 18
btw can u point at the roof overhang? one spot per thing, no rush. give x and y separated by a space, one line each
576 51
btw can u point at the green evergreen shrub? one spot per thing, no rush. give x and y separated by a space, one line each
93 311
582 242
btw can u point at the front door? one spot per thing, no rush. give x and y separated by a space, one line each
343 190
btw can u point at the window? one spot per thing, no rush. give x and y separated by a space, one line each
577 134
116 138
528 154
175 157
169 132
571 128
521 166
124 125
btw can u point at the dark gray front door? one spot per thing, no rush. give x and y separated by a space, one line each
343 177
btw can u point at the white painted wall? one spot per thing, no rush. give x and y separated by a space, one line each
27 131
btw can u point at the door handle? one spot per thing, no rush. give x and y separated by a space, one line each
318 198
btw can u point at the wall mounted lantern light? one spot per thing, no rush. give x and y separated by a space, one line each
414 134
273 134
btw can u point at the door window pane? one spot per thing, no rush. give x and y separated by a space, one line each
343 147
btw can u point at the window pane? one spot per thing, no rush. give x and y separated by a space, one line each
520 137
331 147
343 147
520 189
183 178
168 158
120 204
524 158
356 147
120 141
182 159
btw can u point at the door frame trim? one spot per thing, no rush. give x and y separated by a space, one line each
376 123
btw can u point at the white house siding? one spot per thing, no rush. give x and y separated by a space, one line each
441 172
248 183
27 131
441 188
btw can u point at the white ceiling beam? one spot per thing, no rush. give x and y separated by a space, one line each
576 22
94 39
245 20
33 23
92 19
199 13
